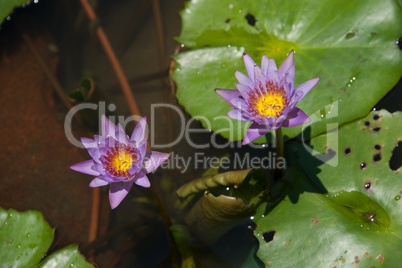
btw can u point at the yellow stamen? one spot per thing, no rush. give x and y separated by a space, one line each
270 104
122 161
119 160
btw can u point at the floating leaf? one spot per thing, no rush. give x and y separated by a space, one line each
26 236
66 257
351 45
359 220
228 198
207 182
7 6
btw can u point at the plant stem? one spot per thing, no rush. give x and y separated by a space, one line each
113 59
279 173
279 143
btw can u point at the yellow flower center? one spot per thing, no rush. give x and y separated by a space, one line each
268 101
122 161
119 160
270 104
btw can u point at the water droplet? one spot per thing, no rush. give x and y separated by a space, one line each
363 166
397 198
19 246
8 18
252 218
230 6
28 235
182 45
367 185
36 1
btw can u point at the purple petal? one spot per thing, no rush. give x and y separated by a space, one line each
271 66
108 128
142 148
99 168
153 160
85 167
259 77
289 80
118 191
139 131
238 103
237 115
244 90
286 65
255 131
305 87
244 80
264 65
89 143
248 61
97 182
121 135
272 72
295 117
110 179
142 180
228 95
95 154
92 148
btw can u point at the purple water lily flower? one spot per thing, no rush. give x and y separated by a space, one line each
266 96
119 160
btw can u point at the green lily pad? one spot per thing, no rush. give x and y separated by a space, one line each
66 257
350 45
25 238
358 221
7 6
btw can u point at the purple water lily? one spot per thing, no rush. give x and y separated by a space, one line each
119 160
266 96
